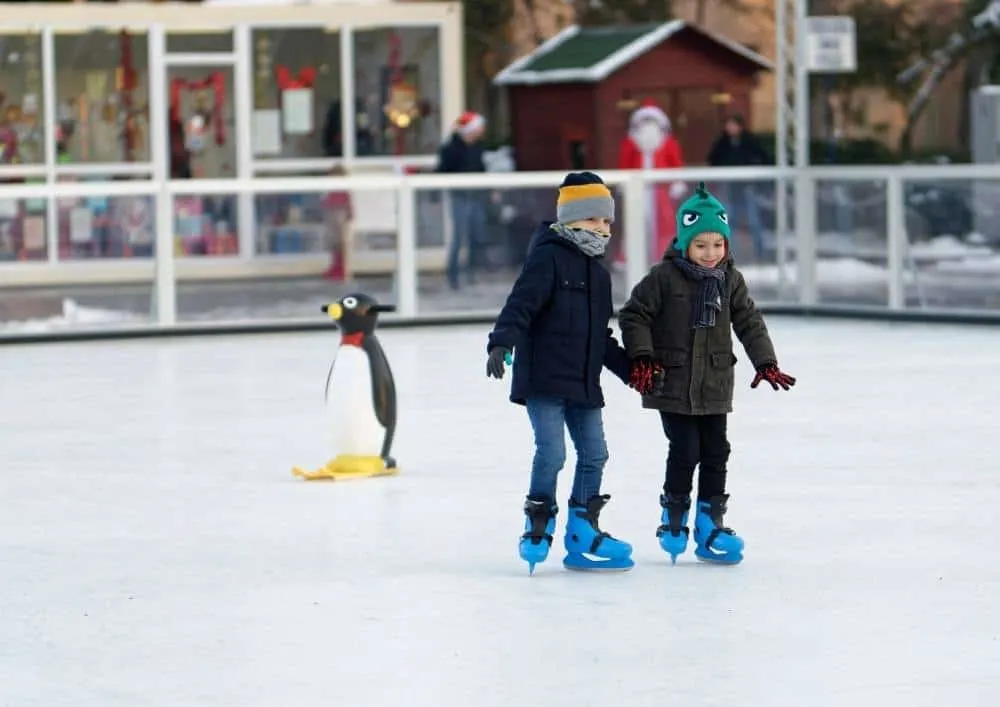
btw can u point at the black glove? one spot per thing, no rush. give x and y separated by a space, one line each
495 363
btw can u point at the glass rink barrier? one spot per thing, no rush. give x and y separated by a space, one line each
134 251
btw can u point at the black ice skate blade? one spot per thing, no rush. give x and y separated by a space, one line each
581 563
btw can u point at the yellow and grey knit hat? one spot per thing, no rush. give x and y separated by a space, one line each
584 195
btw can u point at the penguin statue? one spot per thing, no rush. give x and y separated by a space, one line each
360 395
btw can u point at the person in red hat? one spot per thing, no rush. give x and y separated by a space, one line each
650 144
463 153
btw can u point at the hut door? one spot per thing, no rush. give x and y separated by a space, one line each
698 122
695 118
577 148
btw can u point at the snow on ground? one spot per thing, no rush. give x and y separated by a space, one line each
73 317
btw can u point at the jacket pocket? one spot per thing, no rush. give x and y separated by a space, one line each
574 302
558 358
674 382
723 359
720 379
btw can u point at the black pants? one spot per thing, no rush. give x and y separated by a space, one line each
694 440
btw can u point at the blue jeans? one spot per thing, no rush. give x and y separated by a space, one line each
550 417
468 220
742 201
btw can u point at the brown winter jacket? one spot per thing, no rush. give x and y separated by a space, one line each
656 321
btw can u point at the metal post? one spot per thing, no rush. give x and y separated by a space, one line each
781 142
805 202
802 113
406 250
897 246
348 114
164 299
243 87
50 109
636 250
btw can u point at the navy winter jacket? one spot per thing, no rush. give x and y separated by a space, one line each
556 322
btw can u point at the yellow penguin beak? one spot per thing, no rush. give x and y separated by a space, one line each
335 311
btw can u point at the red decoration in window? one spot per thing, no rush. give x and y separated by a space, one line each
306 78
217 82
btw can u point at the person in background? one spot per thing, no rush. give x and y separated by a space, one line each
338 212
652 144
738 148
463 153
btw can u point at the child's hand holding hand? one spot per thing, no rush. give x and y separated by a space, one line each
642 374
773 375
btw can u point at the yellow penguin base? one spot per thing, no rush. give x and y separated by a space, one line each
346 467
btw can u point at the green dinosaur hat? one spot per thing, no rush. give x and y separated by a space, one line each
701 213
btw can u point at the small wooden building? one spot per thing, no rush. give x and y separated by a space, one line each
570 99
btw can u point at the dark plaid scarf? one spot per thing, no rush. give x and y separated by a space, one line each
709 300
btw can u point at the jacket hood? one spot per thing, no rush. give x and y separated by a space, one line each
545 234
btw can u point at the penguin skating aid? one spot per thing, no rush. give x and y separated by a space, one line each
360 396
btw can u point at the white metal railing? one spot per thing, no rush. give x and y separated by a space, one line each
631 186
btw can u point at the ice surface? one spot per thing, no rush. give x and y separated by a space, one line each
155 550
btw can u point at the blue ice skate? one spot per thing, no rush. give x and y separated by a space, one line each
587 546
673 531
539 524
715 542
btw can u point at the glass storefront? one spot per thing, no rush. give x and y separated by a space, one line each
22 100
397 79
102 98
23 230
201 123
320 99
296 93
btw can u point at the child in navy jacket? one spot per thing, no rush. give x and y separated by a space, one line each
556 322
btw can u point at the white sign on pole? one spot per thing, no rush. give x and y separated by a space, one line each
831 45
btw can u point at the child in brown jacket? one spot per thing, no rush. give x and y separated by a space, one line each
677 328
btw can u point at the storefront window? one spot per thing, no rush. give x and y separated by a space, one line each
22 108
296 94
105 227
205 225
22 229
102 79
397 75
202 139
199 42
300 223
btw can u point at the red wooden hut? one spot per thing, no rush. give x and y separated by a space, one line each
570 99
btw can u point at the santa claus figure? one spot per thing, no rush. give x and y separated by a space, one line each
651 145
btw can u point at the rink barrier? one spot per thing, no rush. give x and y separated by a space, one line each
484 318
163 271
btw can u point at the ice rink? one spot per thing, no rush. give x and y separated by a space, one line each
155 550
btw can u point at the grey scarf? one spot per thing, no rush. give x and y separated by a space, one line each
709 300
590 242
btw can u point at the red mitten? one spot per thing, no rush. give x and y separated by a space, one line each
773 375
641 374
